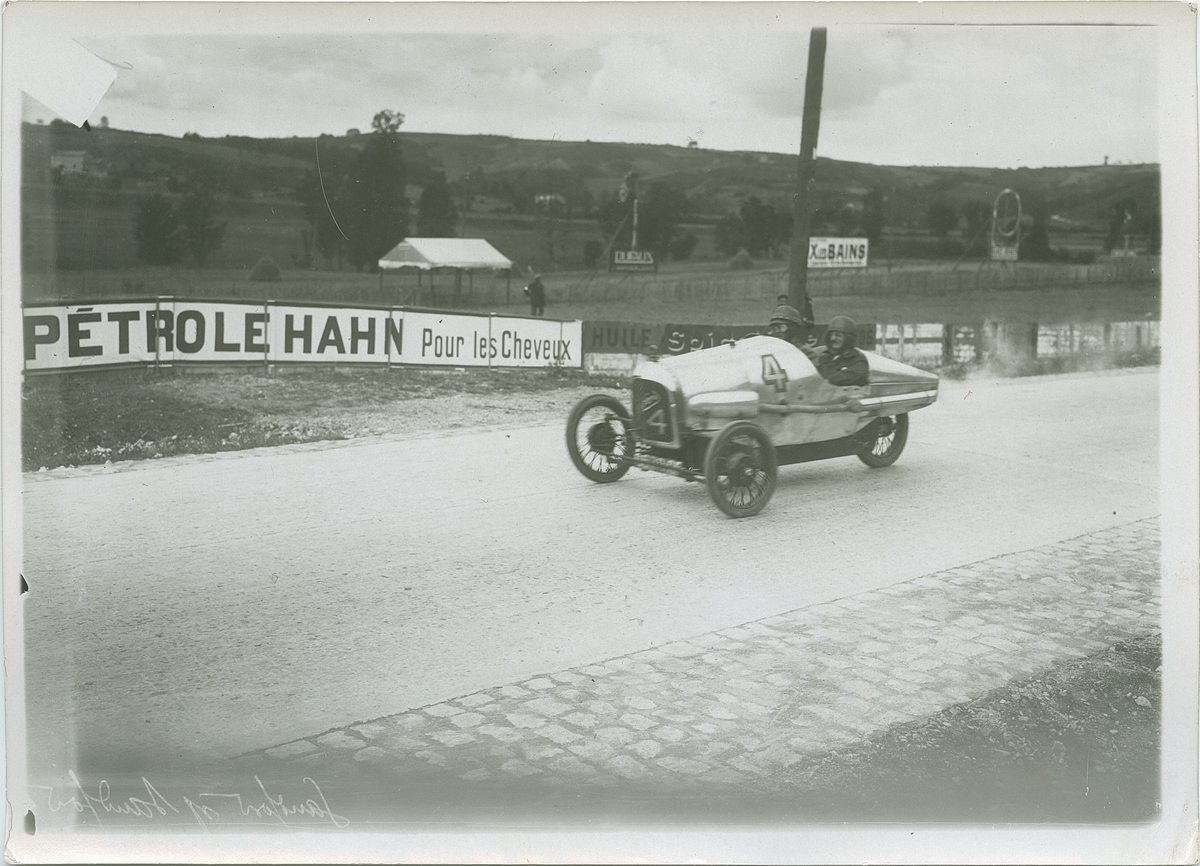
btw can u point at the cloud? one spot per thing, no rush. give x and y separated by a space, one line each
898 94
639 80
1006 96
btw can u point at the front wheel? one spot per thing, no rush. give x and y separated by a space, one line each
598 437
739 468
886 442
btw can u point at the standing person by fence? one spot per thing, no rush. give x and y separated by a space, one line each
537 296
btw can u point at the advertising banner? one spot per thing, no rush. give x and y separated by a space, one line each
681 339
174 331
632 260
304 333
837 252
645 339
618 337
641 339
443 339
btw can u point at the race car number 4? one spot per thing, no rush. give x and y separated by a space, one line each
773 374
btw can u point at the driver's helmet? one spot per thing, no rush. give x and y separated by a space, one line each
787 323
845 325
787 315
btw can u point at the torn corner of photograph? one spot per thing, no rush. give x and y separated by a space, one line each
58 72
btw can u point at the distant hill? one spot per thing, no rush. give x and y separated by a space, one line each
261 179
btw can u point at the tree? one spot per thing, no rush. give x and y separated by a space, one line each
377 217
848 219
1123 213
387 122
727 235
1035 234
941 218
615 218
660 210
437 215
592 251
659 215
156 231
1035 242
872 216
683 245
200 233
763 228
192 171
977 215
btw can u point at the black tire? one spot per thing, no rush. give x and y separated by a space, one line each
886 443
740 466
598 436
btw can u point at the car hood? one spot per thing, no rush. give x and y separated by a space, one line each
738 366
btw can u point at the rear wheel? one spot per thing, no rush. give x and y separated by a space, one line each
598 438
886 438
739 468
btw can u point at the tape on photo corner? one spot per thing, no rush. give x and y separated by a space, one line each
60 73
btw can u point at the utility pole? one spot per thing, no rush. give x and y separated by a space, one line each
802 213
632 179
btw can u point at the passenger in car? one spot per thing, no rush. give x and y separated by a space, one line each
838 361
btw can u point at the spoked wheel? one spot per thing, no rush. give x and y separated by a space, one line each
598 437
886 443
739 469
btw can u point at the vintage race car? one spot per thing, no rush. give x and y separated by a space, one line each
732 414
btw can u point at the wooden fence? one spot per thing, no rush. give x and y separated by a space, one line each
941 279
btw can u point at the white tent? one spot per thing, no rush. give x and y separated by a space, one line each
427 254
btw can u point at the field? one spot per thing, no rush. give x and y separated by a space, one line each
1075 305
576 295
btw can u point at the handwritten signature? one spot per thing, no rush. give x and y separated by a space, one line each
208 808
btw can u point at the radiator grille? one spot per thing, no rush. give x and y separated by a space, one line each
652 413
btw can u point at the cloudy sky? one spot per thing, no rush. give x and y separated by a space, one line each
894 94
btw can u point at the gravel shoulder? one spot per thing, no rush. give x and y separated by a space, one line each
109 417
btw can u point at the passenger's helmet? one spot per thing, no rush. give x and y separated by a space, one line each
787 314
845 325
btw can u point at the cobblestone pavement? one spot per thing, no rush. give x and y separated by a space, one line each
742 704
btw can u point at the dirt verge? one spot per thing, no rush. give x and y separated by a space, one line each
1079 742
94 418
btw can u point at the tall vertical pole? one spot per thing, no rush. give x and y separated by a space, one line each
633 191
801 224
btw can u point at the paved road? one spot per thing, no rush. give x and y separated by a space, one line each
736 715
208 607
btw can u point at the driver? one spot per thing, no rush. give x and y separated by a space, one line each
838 361
787 324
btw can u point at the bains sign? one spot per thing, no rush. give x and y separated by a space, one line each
195 332
837 252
